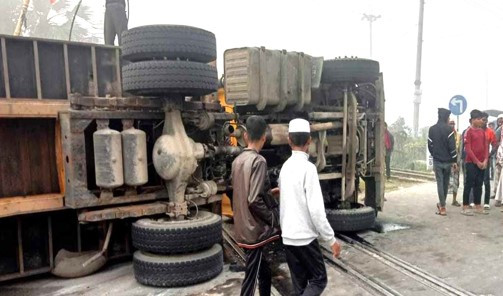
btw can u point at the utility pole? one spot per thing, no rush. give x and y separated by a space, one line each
371 18
417 82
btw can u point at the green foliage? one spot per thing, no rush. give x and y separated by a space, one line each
409 151
45 20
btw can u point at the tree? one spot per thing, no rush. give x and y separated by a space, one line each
410 151
45 20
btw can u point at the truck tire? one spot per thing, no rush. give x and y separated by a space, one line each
180 270
350 70
166 77
174 237
169 42
351 220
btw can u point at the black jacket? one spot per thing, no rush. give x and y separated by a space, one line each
442 143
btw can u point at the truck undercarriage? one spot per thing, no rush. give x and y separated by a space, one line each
152 139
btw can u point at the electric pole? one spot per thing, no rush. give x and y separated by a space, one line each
371 18
417 82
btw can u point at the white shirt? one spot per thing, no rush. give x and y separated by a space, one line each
302 212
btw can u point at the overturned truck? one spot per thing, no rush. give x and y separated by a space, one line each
344 101
120 149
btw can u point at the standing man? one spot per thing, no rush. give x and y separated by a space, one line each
463 162
442 146
256 221
389 142
302 215
115 21
454 181
492 144
499 126
477 155
499 181
497 166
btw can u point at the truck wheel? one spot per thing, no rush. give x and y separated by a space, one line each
350 70
172 237
168 42
161 77
357 219
180 270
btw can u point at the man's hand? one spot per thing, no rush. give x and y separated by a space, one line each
455 167
480 165
336 249
484 164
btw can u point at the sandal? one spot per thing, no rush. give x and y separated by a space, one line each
481 212
456 203
466 212
440 210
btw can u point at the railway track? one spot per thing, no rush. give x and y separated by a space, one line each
384 274
231 246
377 271
412 176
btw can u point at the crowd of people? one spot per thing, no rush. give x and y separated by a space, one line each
300 213
477 152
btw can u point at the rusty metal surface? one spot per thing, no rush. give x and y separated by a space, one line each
80 102
123 114
140 210
75 160
264 78
74 125
24 274
26 108
277 134
124 212
36 68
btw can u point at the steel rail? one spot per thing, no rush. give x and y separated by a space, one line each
369 282
229 240
406 268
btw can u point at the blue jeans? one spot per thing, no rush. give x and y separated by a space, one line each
442 174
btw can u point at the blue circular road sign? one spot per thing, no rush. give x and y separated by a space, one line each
458 105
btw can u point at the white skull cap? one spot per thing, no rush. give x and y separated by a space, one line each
299 125
500 116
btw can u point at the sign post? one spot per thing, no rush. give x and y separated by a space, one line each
458 105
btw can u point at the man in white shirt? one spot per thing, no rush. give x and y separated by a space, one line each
302 215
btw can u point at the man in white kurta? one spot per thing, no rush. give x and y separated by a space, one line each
302 215
499 163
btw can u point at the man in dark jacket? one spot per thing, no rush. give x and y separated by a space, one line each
442 146
256 214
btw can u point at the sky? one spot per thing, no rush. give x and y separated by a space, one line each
462 42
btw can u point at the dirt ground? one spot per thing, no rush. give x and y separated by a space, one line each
465 251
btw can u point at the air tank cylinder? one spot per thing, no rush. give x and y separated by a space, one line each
134 149
107 156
